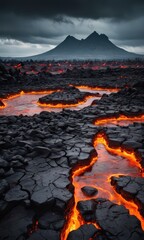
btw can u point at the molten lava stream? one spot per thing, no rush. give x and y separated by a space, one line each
74 219
97 88
121 120
15 95
2 107
26 104
23 103
110 162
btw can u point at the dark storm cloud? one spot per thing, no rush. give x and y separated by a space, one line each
49 21
28 30
119 9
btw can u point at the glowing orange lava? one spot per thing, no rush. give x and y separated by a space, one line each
98 88
110 162
1 107
26 104
58 106
67 105
21 94
122 120
11 96
74 219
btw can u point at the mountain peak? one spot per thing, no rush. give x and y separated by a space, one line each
69 37
93 35
95 46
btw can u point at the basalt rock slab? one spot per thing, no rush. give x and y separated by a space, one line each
87 209
89 191
15 224
43 197
131 188
114 220
51 220
69 95
45 235
115 142
15 194
51 186
131 145
85 232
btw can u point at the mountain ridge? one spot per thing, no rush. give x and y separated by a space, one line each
93 47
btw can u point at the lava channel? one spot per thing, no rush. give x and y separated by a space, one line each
109 162
121 120
110 90
27 103
11 96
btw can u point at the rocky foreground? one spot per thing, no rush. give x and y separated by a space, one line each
37 155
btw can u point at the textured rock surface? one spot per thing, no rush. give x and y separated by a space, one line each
37 155
131 188
15 223
69 95
114 220
85 232
89 191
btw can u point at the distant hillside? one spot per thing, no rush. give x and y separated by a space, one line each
95 46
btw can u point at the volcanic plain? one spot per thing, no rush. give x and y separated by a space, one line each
70 171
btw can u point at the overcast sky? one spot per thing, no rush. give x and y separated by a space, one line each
30 27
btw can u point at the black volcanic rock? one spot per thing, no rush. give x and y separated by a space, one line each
45 235
69 95
1 104
114 220
95 46
85 232
131 188
38 153
51 220
15 223
89 191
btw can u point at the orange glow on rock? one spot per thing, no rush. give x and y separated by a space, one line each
74 219
98 88
62 105
22 93
1 107
101 168
33 228
11 96
101 138
115 120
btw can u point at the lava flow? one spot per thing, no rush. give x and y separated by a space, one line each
3 106
115 90
26 103
121 120
74 219
23 103
11 96
109 162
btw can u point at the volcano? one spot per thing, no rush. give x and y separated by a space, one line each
95 46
